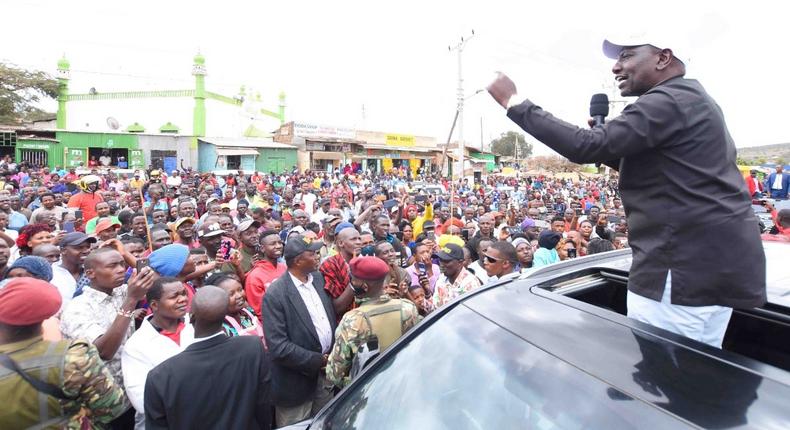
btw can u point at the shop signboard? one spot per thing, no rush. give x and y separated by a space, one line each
75 156
26 145
136 160
400 140
317 130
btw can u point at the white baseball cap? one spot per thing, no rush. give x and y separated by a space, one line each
680 49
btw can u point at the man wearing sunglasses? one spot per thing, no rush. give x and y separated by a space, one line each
500 261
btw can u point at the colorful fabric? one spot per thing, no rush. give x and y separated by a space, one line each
245 322
90 315
337 275
446 291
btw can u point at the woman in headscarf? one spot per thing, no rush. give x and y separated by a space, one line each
30 267
524 252
37 268
547 252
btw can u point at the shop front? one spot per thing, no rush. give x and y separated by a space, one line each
112 150
380 159
247 154
41 152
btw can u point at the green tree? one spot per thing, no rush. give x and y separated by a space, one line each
505 145
20 92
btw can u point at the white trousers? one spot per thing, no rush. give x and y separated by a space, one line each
706 324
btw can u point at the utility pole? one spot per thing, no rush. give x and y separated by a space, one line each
460 94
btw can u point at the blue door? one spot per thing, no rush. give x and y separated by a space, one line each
169 164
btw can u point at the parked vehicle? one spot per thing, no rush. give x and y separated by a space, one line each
554 349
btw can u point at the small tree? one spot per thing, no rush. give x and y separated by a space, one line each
20 90
505 145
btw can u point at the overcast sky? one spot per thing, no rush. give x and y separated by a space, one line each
333 58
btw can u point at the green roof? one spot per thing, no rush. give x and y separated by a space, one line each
169 128
135 128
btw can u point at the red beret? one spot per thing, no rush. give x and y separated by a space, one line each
369 268
27 301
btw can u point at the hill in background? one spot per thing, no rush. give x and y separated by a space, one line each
778 153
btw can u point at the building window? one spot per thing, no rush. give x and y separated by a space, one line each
33 157
107 157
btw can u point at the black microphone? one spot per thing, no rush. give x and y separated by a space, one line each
599 108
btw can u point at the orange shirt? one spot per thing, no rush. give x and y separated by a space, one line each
86 202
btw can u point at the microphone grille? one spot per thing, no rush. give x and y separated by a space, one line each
599 105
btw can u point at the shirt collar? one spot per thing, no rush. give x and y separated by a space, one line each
297 282
201 339
99 295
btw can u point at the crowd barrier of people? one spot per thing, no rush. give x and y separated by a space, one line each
132 270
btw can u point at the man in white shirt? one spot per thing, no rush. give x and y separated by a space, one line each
163 334
306 198
174 180
299 321
778 183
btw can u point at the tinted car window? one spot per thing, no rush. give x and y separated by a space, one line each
465 372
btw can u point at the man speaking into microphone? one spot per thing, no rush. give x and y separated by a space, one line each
695 240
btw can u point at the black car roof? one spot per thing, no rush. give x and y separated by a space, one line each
703 385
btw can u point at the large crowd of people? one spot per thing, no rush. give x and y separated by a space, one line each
312 264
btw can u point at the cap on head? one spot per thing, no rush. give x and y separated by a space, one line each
182 221
246 225
450 252
612 46
210 230
104 224
298 244
342 226
75 239
28 301
369 268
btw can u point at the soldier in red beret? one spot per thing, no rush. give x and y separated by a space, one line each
375 324
70 374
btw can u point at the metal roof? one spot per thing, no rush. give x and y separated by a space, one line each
245 142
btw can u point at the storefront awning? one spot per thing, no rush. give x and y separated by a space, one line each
236 151
317 155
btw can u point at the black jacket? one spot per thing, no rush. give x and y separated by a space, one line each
219 383
292 339
687 206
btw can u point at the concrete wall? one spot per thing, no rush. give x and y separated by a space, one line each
180 144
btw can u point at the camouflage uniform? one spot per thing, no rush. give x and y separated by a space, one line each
353 331
99 398
95 398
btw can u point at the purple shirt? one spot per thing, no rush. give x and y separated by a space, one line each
412 271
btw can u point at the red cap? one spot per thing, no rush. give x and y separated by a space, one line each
369 268
27 301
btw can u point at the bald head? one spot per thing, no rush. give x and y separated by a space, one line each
346 234
210 305
44 249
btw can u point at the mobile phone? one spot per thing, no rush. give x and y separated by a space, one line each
78 214
68 226
578 211
421 268
465 234
224 248
430 235
389 204
141 263
420 198
572 253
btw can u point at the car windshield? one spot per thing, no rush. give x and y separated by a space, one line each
465 372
